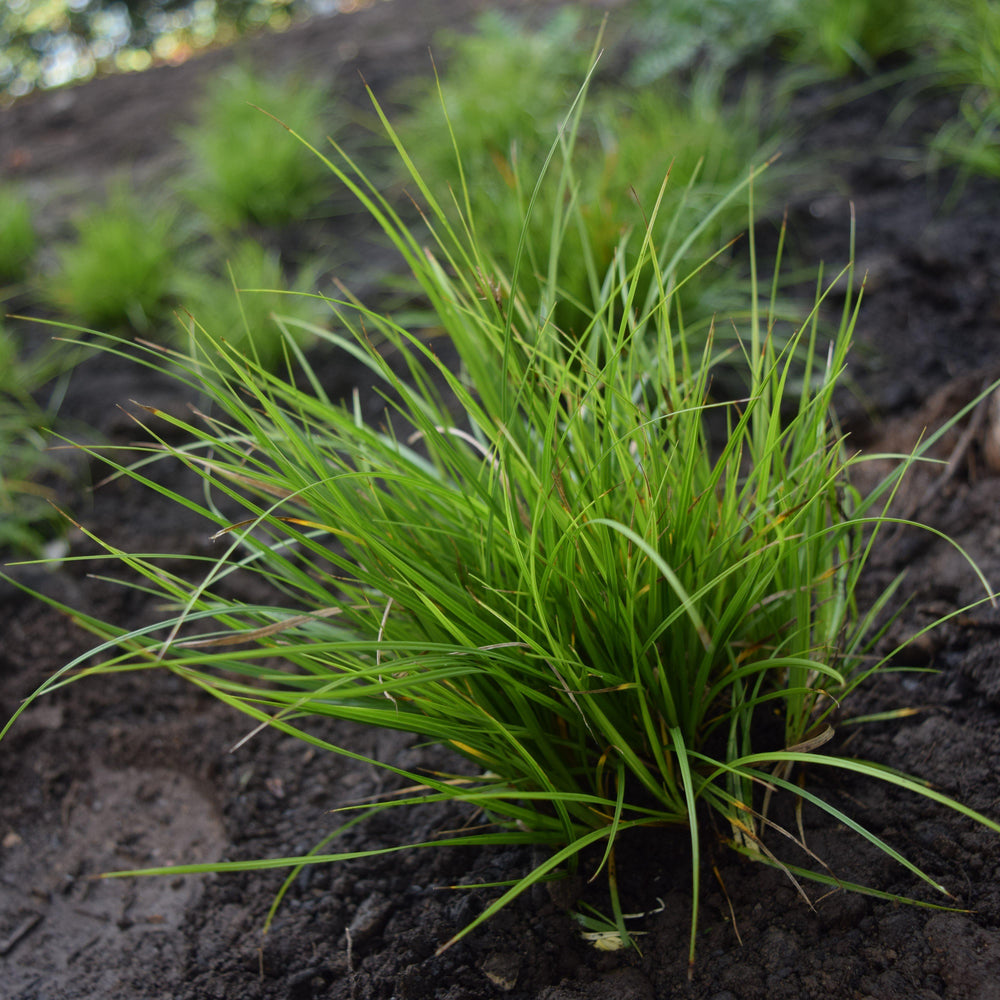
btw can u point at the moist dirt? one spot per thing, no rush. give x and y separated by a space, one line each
138 769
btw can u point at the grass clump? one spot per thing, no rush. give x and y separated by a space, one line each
505 87
613 157
249 303
17 234
30 393
833 38
841 36
966 41
241 171
120 268
545 561
678 35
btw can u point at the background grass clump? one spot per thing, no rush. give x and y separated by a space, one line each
31 388
240 172
620 147
844 36
967 60
134 257
121 267
247 301
505 87
18 241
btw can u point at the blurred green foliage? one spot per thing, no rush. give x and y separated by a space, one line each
241 168
249 302
968 60
506 95
28 469
121 267
17 234
833 37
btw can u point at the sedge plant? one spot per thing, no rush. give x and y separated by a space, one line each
32 385
966 58
828 38
678 35
544 560
240 172
120 268
505 86
18 240
247 301
838 37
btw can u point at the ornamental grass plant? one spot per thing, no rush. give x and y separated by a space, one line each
966 41
844 36
544 558
826 38
121 266
247 301
18 241
31 389
240 172
674 36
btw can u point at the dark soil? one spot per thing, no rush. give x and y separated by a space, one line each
136 769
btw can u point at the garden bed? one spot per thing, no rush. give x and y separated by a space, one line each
134 770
